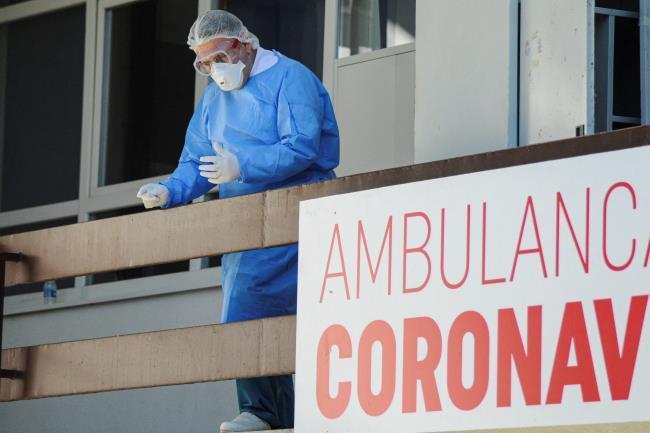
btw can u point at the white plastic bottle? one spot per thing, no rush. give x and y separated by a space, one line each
49 292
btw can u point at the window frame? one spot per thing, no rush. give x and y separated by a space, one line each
361 57
9 14
124 191
92 198
644 32
332 62
608 86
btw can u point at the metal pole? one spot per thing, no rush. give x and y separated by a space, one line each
4 257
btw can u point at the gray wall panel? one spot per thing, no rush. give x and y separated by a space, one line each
375 105
180 310
174 409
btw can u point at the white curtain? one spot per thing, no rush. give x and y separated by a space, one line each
360 27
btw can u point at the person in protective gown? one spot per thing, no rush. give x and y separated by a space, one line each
265 122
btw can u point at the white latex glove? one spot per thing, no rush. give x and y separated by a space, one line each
153 194
223 167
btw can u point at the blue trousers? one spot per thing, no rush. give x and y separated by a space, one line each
256 284
268 398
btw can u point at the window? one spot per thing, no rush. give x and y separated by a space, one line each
79 133
41 85
617 65
293 27
623 5
368 25
148 89
70 124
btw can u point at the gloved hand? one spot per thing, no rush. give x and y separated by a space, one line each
224 166
153 194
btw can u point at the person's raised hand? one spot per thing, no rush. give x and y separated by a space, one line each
223 167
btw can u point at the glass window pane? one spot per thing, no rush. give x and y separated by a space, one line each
63 283
294 28
149 89
368 25
621 125
627 68
626 5
41 62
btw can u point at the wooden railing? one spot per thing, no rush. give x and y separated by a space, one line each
256 348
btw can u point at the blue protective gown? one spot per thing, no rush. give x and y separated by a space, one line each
281 127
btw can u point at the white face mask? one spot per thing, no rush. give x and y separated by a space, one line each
228 76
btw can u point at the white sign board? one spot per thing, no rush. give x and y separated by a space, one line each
506 298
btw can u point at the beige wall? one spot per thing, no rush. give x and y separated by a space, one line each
557 69
466 77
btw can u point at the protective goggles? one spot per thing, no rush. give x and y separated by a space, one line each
225 52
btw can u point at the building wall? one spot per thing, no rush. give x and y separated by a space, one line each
178 409
462 91
129 316
465 77
557 69
186 408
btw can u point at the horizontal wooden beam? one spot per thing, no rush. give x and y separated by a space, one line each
181 356
241 223
199 354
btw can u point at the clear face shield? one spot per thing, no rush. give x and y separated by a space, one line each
222 52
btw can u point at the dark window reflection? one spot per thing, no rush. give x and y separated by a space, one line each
42 108
149 96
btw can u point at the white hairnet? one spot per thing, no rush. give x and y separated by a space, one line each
219 24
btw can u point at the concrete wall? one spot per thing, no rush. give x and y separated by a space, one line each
175 409
186 408
556 69
466 77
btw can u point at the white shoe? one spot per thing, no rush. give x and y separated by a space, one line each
244 422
